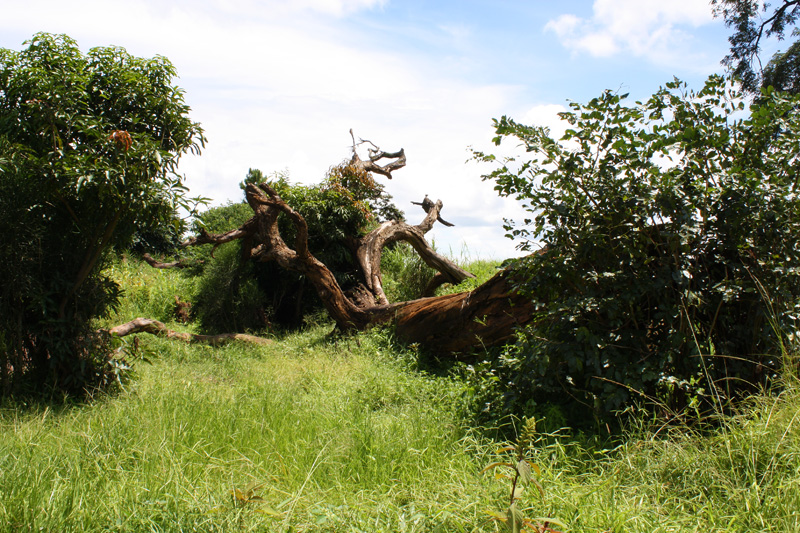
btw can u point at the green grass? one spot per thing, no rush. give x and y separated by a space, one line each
348 435
336 435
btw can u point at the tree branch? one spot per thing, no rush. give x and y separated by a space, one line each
376 154
181 263
154 327
370 248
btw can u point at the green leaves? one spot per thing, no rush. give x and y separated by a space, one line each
93 143
656 220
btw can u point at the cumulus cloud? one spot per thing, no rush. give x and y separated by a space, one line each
644 28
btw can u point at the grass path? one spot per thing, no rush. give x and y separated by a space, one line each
332 438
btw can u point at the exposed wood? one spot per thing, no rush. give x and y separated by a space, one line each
427 204
454 324
371 246
375 155
436 281
461 323
267 204
154 327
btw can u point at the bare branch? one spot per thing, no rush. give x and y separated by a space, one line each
376 154
182 263
154 327
427 204
246 230
371 246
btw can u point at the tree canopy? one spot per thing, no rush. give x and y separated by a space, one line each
89 148
753 21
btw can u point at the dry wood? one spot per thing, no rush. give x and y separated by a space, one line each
153 262
454 324
154 327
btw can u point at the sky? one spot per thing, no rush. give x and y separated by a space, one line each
277 85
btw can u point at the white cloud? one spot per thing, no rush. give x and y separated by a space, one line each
277 85
547 115
644 28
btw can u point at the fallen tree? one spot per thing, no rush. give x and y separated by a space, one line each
455 323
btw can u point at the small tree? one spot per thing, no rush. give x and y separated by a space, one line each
89 147
669 255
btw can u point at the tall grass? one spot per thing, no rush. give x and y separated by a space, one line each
314 433
149 292
335 436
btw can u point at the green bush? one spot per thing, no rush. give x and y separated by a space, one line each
89 146
669 253
228 296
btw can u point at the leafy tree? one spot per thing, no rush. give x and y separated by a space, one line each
89 147
753 21
669 258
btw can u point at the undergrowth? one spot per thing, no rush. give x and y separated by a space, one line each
322 433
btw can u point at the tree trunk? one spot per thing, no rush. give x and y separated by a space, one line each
453 324
462 323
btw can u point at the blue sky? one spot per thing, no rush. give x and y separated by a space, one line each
277 85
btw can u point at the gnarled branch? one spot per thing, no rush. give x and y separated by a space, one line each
375 155
182 263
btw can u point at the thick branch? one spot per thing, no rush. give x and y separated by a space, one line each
460 323
452 323
153 262
267 204
246 230
427 204
371 247
148 325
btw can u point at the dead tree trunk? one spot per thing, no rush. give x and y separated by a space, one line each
461 323
457 323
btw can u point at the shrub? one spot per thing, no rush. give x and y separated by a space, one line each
669 255
88 151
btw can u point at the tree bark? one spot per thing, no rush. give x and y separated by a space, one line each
370 248
454 324
461 323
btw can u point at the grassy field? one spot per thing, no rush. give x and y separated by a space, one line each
313 433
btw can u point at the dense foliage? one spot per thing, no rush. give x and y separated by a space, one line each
753 21
669 255
89 146
235 293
